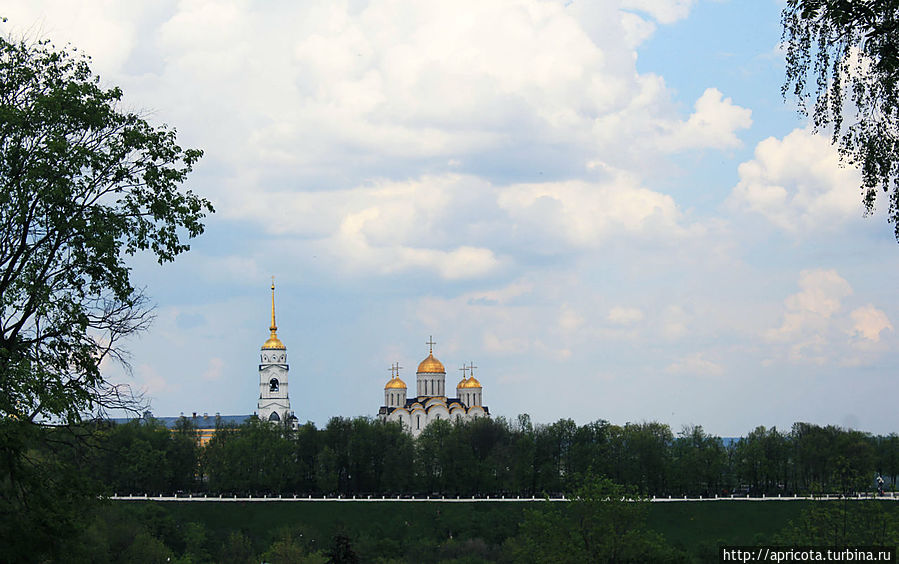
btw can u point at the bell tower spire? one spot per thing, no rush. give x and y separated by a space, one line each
274 403
273 341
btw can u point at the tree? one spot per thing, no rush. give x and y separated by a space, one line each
849 51
83 185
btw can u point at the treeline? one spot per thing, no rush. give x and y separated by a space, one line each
493 457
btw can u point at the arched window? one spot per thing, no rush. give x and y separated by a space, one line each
273 385
274 417
418 421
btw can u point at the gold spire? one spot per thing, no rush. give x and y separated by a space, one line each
273 327
273 341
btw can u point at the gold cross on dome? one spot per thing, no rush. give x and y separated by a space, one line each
430 342
471 367
464 370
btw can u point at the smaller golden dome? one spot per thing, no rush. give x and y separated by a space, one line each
470 383
462 382
273 342
395 384
431 365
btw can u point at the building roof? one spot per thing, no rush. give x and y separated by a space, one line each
204 421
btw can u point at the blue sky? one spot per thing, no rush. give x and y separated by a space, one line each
606 206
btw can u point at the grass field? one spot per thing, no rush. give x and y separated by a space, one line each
408 528
412 529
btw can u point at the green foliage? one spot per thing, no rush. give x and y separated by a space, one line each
699 463
42 490
292 548
842 523
424 532
849 51
603 522
237 549
366 457
143 456
83 184
341 550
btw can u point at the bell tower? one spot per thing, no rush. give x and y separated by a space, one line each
274 403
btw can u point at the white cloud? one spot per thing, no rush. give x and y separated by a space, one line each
811 309
625 315
815 325
570 320
712 124
215 369
665 11
150 382
869 322
695 365
673 322
797 184
586 214
360 256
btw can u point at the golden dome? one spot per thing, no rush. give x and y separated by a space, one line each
395 384
470 383
273 341
431 365
462 382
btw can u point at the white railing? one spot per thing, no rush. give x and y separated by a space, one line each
889 496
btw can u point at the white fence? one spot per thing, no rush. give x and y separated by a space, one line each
890 496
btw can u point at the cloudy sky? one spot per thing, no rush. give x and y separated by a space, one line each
605 205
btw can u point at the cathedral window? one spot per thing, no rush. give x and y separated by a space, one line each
273 385
274 417
418 421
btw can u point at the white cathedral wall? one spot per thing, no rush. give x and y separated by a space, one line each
402 416
438 412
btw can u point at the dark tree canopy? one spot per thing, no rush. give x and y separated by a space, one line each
83 184
842 64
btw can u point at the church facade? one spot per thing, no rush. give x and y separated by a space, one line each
431 401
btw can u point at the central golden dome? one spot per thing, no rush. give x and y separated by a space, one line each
395 384
431 365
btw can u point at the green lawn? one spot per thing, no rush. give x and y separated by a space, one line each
412 529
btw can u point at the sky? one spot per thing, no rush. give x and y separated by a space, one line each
606 206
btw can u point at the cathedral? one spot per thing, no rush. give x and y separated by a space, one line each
430 402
